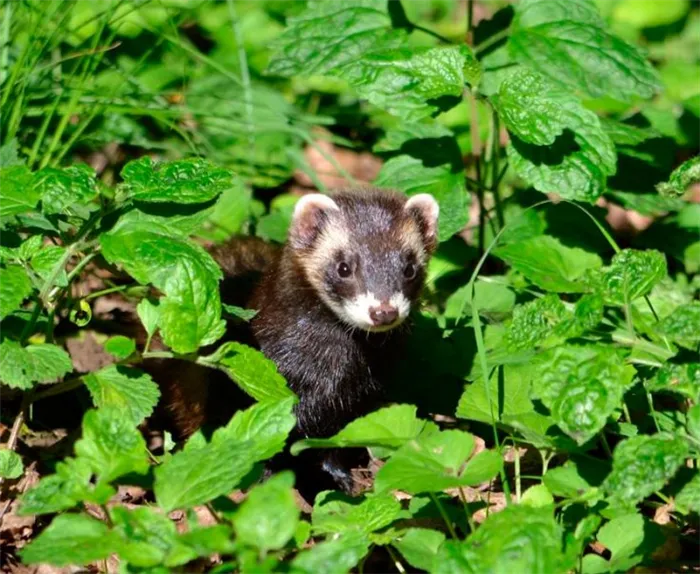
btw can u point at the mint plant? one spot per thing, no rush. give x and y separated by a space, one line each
546 417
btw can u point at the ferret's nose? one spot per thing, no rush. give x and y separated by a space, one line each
384 314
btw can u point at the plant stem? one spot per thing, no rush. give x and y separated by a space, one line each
58 389
467 513
486 44
606 446
395 559
432 33
5 39
17 425
444 515
243 65
495 171
97 294
652 410
518 491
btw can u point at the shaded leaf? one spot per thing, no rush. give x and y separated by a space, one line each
21 367
681 379
683 325
130 390
15 287
335 512
419 546
337 555
685 175
17 194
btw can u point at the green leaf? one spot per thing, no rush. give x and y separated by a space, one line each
642 465
21 367
190 312
537 496
72 539
263 426
111 444
340 554
626 134
492 298
335 512
567 42
419 546
148 538
149 313
329 37
252 371
566 481
389 427
435 461
268 517
575 166
132 391
412 176
405 81
685 175
120 346
46 260
239 312
10 464
632 274
630 539
64 190
8 154
545 322
18 194
195 476
693 421
549 264
582 386
15 287
71 484
688 498
535 110
184 181
681 379
517 539
683 325
232 210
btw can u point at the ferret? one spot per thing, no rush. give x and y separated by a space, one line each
333 305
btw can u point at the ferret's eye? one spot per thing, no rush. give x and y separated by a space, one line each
409 272
344 270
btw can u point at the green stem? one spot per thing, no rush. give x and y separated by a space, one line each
467 513
495 171
444 515
518 491
58 389
606 445
432 33
80 266
102 292
490 41
652 410
395 559
5 39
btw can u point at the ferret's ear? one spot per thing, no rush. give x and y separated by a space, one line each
310 214
426 211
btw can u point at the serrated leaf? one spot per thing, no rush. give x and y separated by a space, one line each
71 484
567 42
549 264
10 464
517 539
18 194
575 166
534 109
685 175
582 386
683 325
130 390
642 465
335 512
536 323
111 444
46 260
232 210
265 427
195 476
21 367
268 517
64 190
340 554
120 346
405 81
148 538
435 461
492 298
15 287
253 372
410 175
72 539
183 181
681 379
629 538
190 312
631 274
419 546
566 481
389 427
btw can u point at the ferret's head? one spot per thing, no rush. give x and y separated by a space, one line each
365 252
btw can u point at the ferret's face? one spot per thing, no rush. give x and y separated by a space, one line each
365 253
